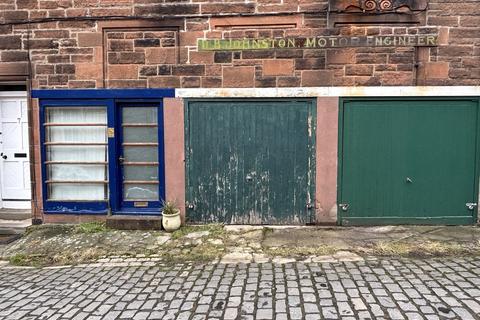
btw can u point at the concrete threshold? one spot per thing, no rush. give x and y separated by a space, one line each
8 227
15 214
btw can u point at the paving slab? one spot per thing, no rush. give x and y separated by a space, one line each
348 237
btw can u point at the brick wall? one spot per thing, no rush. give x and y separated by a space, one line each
162 52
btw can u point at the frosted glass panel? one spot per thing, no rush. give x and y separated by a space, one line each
80 153
140 134
76 172
145 173
140 192
77 115
77 153
140 154
77 134
77 192
139 115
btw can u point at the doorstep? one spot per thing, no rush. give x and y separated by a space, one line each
10 227
15 214
134 222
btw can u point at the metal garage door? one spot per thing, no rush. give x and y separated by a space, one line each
250 162
408 162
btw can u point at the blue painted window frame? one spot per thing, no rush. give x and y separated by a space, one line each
111 99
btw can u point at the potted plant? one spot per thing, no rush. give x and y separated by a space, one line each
170 216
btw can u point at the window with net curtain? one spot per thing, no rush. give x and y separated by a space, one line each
76 153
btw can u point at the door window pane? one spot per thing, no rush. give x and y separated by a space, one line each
144 173
133 192
140 154
139 115
140 134
76 153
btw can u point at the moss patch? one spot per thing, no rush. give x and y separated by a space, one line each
321 250
90 227
422 249
216 230
48 245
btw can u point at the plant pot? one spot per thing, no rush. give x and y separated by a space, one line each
171 222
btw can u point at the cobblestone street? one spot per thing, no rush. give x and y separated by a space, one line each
370 289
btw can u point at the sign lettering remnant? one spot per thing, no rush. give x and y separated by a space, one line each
317 42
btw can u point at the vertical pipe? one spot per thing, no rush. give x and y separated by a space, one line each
36 219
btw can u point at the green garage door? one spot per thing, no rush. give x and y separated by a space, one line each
250 162
408 162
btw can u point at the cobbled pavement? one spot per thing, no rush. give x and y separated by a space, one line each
369 289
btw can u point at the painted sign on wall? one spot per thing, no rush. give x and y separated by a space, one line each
318 42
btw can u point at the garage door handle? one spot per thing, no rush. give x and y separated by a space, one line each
471 206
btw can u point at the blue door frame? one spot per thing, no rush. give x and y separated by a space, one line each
112 99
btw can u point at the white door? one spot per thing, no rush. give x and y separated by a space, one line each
14 157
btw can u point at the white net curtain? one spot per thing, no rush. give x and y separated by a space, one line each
76 145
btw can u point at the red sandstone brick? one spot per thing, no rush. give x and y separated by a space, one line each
189 70
443 36
214 8
10 42
101 12
190 82
283 67
341 56
213 70
211 82
238 77
396 78
120 45
129 71
88 71
359 70
9 56
90 39
201 57
190 38
443 21
469 21
130 83
51 34
126 58
436 70
313 78
164 82
27 4
44 69
167 9
78 84
160 56
289 81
